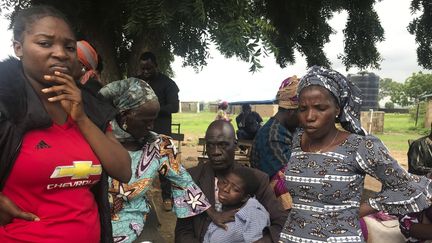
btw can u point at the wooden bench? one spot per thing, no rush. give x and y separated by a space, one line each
178 136
244 158
202 158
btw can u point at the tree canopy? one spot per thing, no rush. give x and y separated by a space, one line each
404 94
394 90
247 29
421 27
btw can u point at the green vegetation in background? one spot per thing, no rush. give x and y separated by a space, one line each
421 117
397 142
398 128
195 124
403 123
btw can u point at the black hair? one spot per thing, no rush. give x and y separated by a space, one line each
250 181
148 56
26 17
246 107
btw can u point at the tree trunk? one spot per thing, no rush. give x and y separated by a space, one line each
106 49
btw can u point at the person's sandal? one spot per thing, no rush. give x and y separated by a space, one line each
167 205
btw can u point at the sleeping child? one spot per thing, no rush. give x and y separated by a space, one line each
236 191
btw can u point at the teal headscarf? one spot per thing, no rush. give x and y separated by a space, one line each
127 94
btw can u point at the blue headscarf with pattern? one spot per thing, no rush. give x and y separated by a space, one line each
346 93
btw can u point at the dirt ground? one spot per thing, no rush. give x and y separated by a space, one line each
190 151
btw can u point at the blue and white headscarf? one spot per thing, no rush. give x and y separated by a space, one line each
346 93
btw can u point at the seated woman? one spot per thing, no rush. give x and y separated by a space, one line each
151 154
235 191
326 171
90 67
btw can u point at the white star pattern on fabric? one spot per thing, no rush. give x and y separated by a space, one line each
194 200
155 145
122 193
171 146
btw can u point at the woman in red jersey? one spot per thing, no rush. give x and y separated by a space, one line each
54 155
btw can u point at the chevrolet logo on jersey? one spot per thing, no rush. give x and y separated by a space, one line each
79 170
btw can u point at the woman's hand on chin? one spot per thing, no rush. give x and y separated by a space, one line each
67 93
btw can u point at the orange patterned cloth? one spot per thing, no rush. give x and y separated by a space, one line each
88 57
287 94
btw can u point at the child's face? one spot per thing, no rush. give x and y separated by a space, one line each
231 190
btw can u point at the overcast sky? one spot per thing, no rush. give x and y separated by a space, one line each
230 79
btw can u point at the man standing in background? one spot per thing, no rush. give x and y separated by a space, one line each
167 92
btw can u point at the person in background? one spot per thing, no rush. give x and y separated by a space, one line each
151 154
167 92
221 113
90 67
236 191
420 155
248 123
271 149
221 145
88 58
87 68
56 146
325 174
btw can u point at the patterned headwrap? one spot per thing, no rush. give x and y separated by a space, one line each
88 57
287 94
128 93
346 93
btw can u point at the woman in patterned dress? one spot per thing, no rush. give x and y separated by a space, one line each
151 154
326 171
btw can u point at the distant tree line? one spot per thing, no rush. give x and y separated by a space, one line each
408 93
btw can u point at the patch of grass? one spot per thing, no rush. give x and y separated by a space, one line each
398 128
398 123
195 124
397 142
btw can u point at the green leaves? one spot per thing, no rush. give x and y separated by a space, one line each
417 85
421 27
247 29
363 30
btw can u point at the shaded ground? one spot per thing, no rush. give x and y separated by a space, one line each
189 153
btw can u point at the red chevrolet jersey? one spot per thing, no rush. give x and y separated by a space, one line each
51 178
